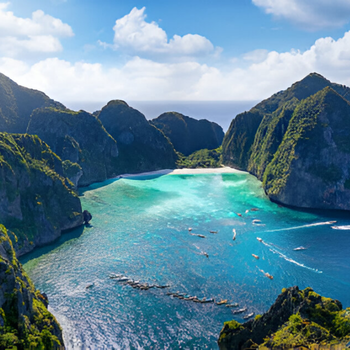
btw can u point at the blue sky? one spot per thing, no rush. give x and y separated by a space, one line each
93 51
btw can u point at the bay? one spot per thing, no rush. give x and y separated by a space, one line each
140 229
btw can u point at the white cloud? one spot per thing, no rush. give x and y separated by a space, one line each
137 37
144 79
38 34
310 14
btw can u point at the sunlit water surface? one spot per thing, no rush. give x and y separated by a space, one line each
140 229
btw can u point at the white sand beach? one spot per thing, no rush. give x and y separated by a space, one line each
185 171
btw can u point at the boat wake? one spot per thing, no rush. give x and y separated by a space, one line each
305 226
285 257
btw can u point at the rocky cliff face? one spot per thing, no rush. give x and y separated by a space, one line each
187 134
36 202
295 142
25 322
142 147
297 318
17 104
77 137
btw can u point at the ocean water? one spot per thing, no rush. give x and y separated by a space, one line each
140 230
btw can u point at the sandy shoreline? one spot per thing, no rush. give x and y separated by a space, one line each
185 171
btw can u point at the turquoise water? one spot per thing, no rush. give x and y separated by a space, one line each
140 229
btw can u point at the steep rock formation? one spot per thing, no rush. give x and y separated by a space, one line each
295 142
297 318
36 202
77 137
238 142
17 104
311 167
25 322
187 134
142 147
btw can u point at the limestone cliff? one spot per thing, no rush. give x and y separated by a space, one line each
25 322
296 142
142 147
188 134
77 137
36 202
17 104
297 318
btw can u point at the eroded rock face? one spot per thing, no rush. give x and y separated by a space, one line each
142 147
294 311
36 202
80 138
25 321
296 143
188 134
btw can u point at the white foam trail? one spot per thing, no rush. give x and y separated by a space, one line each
275 251
304 226
345 227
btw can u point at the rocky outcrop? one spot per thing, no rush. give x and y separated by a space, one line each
17 104
296 143
25 322
142 147
188 134
297 318
77 137
37 202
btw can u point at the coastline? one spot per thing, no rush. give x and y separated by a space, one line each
185 171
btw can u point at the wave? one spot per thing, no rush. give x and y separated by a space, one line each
305 226
285 257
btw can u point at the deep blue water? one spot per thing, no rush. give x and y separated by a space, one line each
140 229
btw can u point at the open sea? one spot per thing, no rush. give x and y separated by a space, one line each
140 230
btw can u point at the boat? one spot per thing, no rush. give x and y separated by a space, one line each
344 227
256 221
254 209
89 286
232 305
205 301
234 234
239 214
239 311
300 248
247 211
190 229
268 276
222 302
201 236
259 239
249 316
213 231
255 256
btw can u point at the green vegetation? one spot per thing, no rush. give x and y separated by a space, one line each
298 318
26 323
203 158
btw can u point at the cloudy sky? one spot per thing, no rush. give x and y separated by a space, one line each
92 51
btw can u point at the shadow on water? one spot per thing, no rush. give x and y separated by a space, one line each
65 237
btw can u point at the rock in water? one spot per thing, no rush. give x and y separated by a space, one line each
87 217
299 317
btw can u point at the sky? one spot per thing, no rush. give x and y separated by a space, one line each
194 50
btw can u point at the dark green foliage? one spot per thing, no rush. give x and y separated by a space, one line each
142 147
188 134
17 104
203 158
80 138
297 318
26 323
37 202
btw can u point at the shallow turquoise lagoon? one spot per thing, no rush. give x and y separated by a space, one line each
140 229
